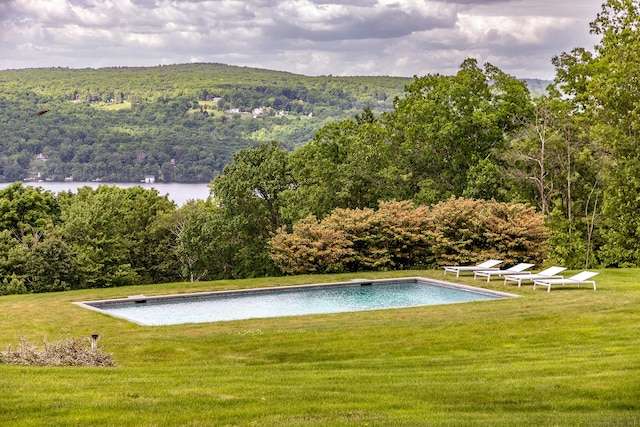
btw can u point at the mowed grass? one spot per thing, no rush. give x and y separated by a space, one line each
568 357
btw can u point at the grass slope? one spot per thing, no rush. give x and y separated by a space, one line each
569 357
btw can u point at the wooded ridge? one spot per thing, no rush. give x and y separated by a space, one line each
178 123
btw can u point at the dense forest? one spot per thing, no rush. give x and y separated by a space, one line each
179 123
460 168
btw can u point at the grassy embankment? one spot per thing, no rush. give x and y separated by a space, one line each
569 357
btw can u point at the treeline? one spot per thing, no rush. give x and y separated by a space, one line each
238 87
180 123
110 236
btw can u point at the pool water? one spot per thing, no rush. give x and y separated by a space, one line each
289 301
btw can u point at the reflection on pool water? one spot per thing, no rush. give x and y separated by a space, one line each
356 295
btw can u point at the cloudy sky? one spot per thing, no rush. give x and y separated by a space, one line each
311 37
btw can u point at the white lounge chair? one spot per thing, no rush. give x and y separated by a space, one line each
487 265
519 268
577 279
549 273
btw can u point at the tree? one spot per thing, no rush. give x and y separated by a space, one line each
348 164
529 152
206 244
116 237
465 231
50 266
176 223
311 247
34 258
147 252
445 125
26 211
92 225
249 193
604 89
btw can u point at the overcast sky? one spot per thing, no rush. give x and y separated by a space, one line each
311 37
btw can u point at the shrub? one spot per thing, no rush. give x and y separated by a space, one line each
469 231
401 236
390 238
312 247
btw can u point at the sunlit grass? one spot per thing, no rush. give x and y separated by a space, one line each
568 357
112 106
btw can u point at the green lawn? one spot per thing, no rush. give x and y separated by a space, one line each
568 357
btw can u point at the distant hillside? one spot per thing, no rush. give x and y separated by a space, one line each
238 87
179 123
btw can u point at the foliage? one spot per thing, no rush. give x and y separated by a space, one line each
249 193
207 243
25 211
176 122
390 237
604 90
32 258
253 183
51 266
111 232
400 236
444 125
312 247
554 164
349 164
102 237
470 231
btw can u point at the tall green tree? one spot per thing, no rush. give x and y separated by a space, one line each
605 89
249 193
115 236
33 256
446 125
349 164
209 244
555 164
26 210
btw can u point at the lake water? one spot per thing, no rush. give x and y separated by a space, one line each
289 301
179 193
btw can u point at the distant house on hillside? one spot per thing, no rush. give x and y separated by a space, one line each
149 179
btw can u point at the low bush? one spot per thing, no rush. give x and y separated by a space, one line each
401 236
68 352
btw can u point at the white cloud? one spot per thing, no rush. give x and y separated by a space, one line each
339 37
529 30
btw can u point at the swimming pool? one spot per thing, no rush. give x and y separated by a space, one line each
356 295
